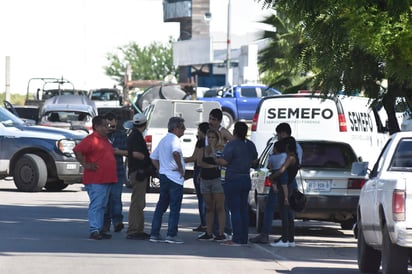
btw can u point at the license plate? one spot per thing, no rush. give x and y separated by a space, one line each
318 185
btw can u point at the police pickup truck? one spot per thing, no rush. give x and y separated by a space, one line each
384 218
37 157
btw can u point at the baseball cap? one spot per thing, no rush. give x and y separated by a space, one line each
139 119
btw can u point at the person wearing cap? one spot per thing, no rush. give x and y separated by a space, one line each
118 139
138 159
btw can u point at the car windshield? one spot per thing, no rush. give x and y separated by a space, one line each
67 116
8 119
327 155
105 95
318 154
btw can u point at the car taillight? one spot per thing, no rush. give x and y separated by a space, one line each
255 121
268 182
342 122
148 140
356 183
398 205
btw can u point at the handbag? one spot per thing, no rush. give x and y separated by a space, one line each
297 200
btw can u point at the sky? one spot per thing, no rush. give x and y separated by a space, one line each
71 38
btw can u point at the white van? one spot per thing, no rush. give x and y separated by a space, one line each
192 111
315 117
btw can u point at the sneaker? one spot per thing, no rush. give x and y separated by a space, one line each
156 239
200 228
205 237
228 236
230 243
95 236
280 244
292 244
173 240
220 238
260 239
118 227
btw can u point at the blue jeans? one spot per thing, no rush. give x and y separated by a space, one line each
200 201
98 196
236 193
287 215
114 208
270 206
171 194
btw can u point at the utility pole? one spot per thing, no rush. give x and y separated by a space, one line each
228 76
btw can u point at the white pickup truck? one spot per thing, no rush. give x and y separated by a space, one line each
384 216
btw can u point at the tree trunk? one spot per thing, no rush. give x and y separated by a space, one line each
388 101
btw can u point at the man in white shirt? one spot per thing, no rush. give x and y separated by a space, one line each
168 159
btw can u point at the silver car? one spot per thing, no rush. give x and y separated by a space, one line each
324 177
74 112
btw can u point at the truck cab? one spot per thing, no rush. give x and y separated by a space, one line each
37 157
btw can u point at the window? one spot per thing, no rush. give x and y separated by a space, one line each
327 155
249 92
402 157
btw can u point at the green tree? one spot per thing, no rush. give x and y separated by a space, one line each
282 70
351 45
153 62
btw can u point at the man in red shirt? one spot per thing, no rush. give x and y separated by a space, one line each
96 155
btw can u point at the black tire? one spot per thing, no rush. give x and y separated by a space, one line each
369 259
259 217
30 173
347 224
394 257
55 185
227 119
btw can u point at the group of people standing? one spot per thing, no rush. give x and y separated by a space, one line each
221 178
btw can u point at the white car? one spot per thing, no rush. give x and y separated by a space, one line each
384 225
325 177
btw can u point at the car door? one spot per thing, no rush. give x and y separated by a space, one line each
369 200
247 102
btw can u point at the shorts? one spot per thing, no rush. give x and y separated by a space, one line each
211 186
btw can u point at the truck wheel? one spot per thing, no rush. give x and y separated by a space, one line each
369 259
227 120
30 173
259 217
394 257
55 185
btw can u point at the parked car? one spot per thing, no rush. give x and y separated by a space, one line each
158 113
74 112
37 157
106 97
324 177
238 102
384 213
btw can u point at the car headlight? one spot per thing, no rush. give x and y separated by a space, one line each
66 147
